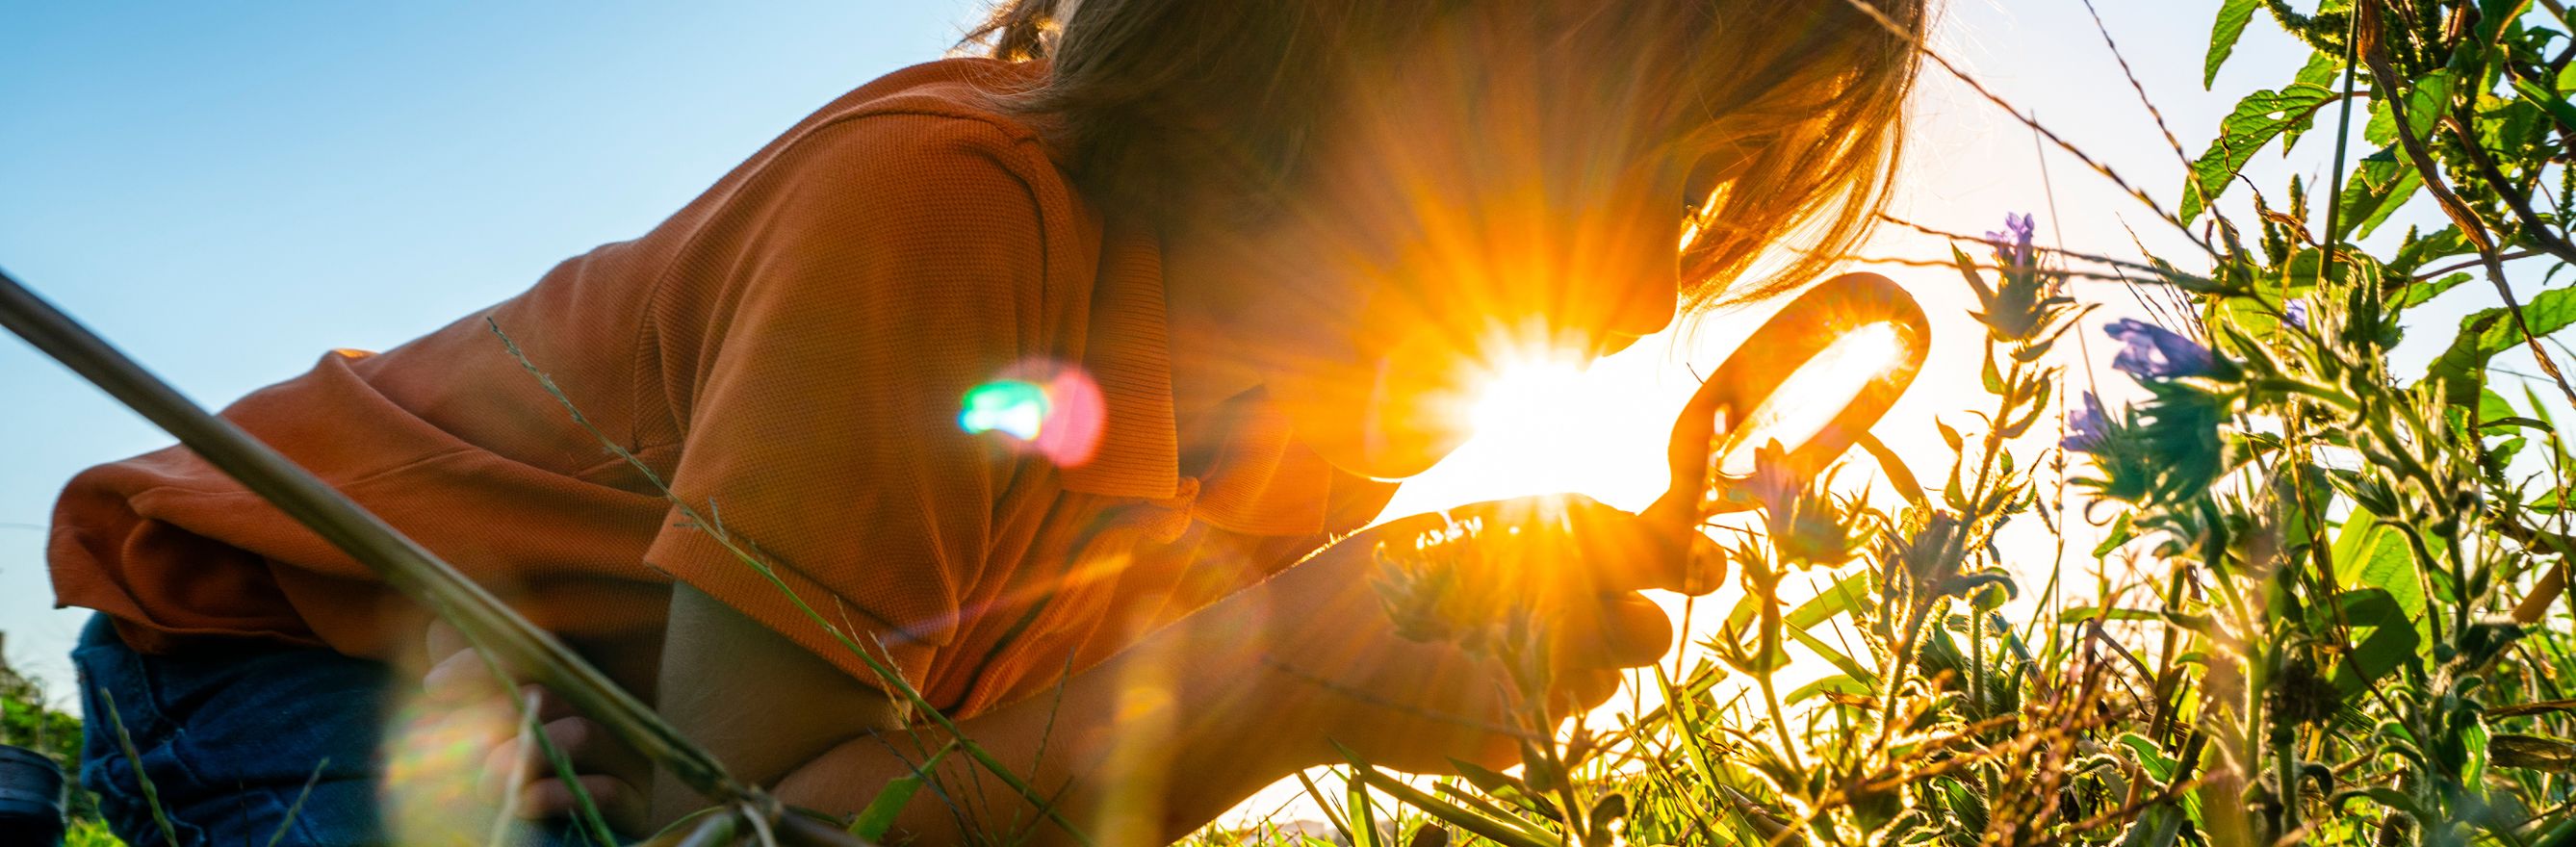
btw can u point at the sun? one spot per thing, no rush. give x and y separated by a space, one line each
1527 398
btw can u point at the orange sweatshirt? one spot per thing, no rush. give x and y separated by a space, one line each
789 353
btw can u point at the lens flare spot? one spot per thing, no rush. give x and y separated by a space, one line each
1007 406
434 758
1056 411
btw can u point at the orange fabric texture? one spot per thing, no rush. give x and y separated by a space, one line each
789 352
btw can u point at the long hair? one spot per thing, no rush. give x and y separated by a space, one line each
1794 108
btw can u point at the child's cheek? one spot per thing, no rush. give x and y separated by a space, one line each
1420 404
1387 415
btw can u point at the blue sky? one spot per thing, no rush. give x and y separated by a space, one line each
228 190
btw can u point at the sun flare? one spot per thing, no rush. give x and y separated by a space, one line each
1537 395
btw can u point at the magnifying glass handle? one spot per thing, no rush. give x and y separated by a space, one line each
1689 456
1678 511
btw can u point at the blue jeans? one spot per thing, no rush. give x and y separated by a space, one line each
229 734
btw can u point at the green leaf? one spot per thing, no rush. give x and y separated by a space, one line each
1747 609
1362 814
2425 103
2492 331
2322 68
2493 406
2259 118
2157 827
2549 101
2385 796
1365 776
1507 789
2391 643
2378 186
2416 293
2120 534
2230 26
1850 592
1487 779
2367 554
1899 475
2420 250
1742 639
1968 271
873 821
1836 684
2151 758
2081 614
1846 664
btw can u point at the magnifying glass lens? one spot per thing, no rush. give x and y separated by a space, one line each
1809 398
1814 377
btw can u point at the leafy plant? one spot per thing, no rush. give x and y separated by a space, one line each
2328 601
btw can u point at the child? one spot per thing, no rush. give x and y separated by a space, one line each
1203 274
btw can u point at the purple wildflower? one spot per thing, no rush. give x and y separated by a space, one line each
2296 313
2154 352
2089 428
2012 246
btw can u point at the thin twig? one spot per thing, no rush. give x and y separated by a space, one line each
2057 251
2150 103
1372 698
2098 167
296 809
2437 273
134 760
1953 264
522 769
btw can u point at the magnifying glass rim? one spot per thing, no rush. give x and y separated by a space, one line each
1794 336
1740 437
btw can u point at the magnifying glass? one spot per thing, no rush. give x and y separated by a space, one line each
1814 378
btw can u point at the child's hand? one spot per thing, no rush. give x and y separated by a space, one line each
1412 699
617 778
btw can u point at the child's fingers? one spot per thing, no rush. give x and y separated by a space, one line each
1622 630
460 677
549 705
1579 692
619 801
1620 551
443 640
1636 632
585 745
592 749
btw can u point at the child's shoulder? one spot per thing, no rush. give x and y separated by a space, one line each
929 119
913 178
927 161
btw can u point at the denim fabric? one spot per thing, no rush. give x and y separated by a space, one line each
229 735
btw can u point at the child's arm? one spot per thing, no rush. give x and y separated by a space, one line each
1167 735
1150 744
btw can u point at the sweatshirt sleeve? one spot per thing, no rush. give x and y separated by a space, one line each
853 292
